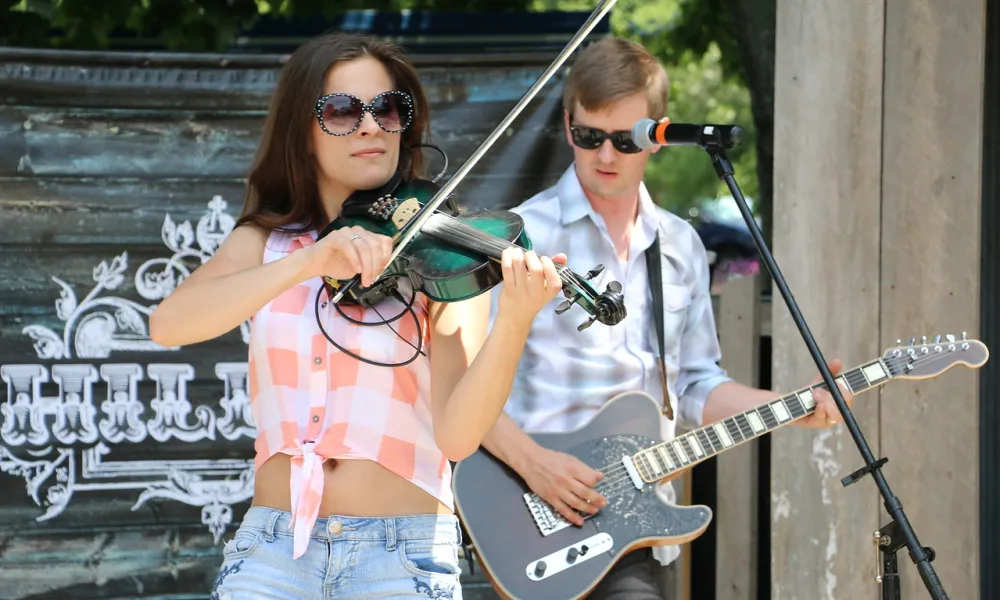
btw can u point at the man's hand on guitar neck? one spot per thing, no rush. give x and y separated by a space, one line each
562 480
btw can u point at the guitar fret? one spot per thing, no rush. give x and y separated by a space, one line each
680 452
663 468
745 430
705 442
733 429
794 406
673 455
755 422
723 434
662 452
806 400
696 450
769 418
874 372
648 467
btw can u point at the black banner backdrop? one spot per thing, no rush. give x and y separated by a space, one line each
126 465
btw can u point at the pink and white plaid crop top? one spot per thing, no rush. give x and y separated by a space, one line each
313 402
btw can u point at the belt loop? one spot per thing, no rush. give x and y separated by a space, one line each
271 525
390 534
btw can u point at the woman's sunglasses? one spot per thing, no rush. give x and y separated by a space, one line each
341 114
589 138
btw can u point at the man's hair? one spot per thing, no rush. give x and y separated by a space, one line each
614 68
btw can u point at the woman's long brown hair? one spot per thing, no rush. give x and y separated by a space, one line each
282 186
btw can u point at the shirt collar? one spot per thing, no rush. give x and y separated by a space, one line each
574 205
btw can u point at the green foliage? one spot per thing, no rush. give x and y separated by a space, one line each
706 86
687 35
183 25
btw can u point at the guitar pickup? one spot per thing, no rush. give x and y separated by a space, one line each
568 557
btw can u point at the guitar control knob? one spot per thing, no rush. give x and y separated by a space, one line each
540 568
571 555
583 549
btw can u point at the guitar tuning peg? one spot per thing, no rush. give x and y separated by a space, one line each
899 342
965 336
950 338
594 272
913 340
923 339
937 340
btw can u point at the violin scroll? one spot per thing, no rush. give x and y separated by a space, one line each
608 307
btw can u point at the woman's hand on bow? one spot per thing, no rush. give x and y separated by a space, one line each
344 252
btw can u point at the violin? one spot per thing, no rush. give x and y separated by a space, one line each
457 256
452 256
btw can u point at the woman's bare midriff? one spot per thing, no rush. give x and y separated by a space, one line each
360 488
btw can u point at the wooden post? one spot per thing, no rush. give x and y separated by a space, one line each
931 181
878 126
736 498
827 140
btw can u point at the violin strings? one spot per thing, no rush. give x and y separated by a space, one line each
459 232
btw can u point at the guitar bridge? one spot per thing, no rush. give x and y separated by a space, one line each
548 520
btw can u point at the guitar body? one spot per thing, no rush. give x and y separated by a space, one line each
507 538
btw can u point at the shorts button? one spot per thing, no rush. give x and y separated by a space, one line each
335 527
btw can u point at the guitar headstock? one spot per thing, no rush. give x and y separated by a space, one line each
931 358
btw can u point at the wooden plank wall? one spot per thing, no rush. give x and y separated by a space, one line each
740 324
111 164
877 174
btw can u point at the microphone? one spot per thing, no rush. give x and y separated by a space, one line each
648 133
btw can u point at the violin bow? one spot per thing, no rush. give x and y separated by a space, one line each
412 227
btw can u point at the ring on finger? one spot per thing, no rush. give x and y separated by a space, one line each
355 237
831 421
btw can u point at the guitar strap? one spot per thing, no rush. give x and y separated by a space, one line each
655 276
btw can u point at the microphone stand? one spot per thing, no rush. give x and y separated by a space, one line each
897 532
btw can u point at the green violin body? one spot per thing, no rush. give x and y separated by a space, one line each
455 256
442 270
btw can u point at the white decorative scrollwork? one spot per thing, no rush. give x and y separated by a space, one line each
94 327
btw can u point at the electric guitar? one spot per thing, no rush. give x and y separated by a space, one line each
530 552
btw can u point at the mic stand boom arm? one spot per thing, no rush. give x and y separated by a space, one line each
901 531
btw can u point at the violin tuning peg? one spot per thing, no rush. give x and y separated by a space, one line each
594 272
567 304
615 287
586 324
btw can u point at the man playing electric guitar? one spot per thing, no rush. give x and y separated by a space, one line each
600 213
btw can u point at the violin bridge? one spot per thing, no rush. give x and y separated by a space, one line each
404 212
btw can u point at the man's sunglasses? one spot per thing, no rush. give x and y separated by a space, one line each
341 114
589 138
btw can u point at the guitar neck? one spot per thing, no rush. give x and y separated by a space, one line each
666 458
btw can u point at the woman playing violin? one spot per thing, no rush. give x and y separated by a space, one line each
352 494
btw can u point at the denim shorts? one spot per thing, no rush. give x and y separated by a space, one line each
347 557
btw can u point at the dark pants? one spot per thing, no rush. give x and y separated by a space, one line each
637 576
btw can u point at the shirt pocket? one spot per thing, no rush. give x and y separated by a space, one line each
677 301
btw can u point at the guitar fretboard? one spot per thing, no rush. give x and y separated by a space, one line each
663 459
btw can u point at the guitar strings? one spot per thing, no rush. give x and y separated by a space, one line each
616 475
